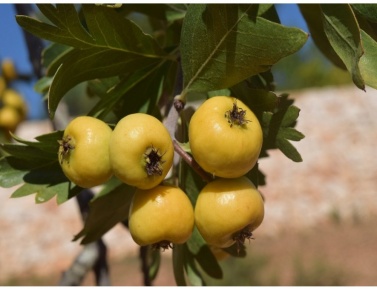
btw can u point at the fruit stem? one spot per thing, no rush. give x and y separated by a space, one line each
192 163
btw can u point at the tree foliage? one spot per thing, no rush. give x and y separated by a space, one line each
193 51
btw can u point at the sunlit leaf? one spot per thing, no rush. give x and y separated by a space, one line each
368 62
343 33
312 14
238 44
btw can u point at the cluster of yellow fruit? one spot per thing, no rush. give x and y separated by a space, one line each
13 108
139 151
225 139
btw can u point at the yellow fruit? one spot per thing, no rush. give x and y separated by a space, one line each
13 99
225 137
228 211
9 118
141 151
84 151
8 69
161 216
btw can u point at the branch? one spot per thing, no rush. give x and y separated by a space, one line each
88 259
192 163
92 257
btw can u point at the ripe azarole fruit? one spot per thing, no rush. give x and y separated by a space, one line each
13 109
84 151
227 211
161 216
9 118
225 137
8 69
141 151
13 99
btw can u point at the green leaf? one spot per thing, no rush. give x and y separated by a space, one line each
278 128
312 14
288 149
35 165
107 209
87 64
43 193
343 33
68 29
178 264
238 44
111 45
43 84
192 271
368 62
52 56
155 257
12 171
368 11
203 255
113 97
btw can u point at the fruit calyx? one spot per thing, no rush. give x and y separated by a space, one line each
164 245
236 115
241 236
65 148
153 161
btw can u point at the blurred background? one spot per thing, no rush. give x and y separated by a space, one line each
319 227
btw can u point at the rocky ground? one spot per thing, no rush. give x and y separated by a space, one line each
323 207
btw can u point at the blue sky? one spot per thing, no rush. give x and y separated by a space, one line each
13 46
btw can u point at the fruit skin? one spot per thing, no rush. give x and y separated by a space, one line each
87 163
163 213
225 207
222 149
131 139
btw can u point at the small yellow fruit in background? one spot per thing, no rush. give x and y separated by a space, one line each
13 99
8 69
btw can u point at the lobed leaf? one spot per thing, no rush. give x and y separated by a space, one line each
238 44
109 45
